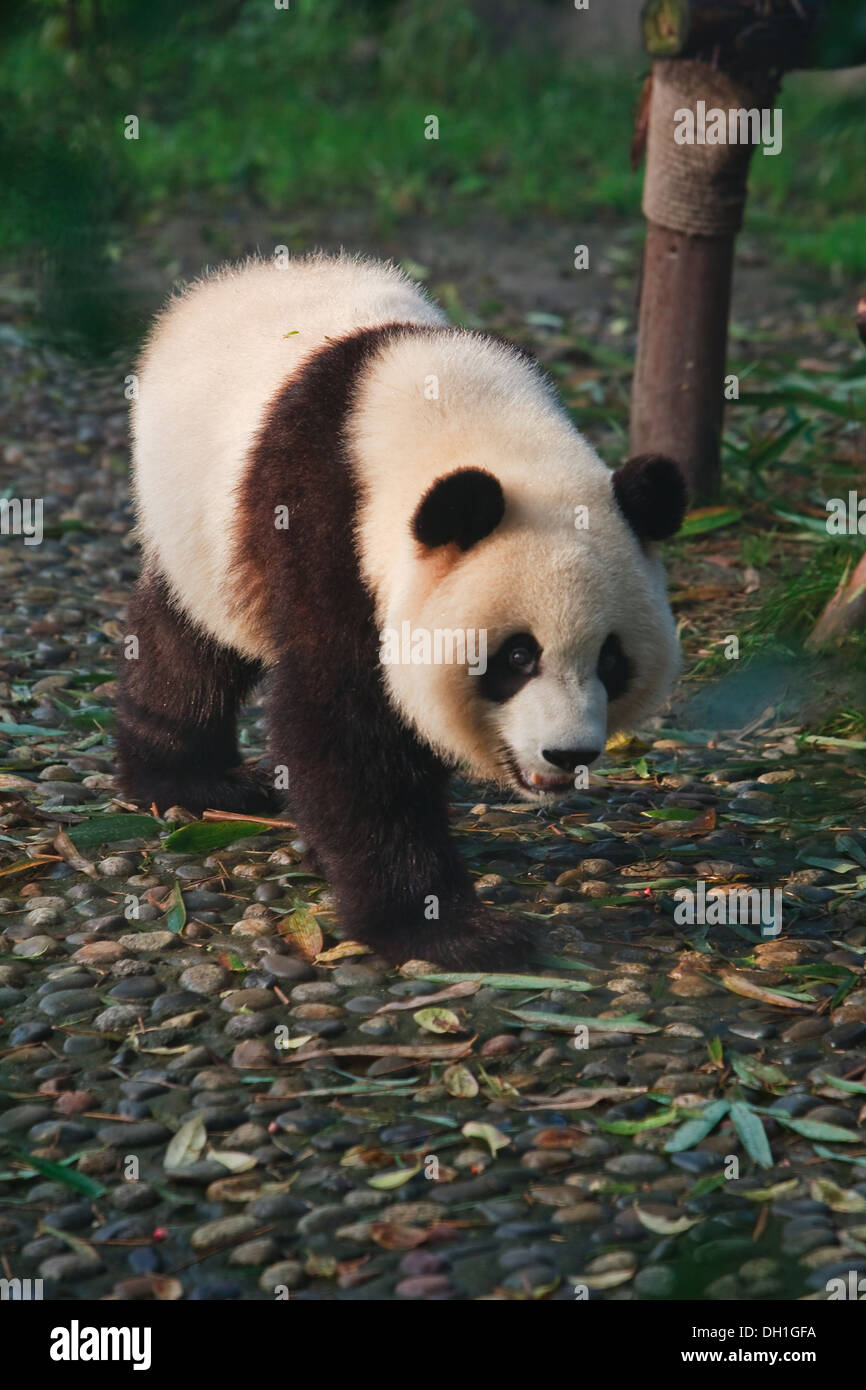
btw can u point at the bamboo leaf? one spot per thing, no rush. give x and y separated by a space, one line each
753 1136
696 1129
206 835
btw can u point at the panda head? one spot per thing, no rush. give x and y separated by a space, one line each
549 578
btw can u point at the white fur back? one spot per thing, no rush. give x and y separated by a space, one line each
215 359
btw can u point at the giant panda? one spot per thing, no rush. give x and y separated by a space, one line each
320 462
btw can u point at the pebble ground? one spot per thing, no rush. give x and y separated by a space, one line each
191 1108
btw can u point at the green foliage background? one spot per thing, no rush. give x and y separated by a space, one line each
323 104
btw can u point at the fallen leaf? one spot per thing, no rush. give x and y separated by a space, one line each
753 1136
430 1052
836 1198
301 929
769 1194
438 1020
203 837
398 1177
186 1146
459 1081
491 1136
341 951
460 990
66 849
738 984
527 982
391 1236
36 862
236 1162
175 917
566 1023
584 1098
664 1225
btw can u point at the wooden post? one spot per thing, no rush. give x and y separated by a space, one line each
677 397
694 199
730 54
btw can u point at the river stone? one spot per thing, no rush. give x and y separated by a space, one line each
118 1018
21 1117
35 946
138 1135
133 1196
134 987
30 1033
116 866
655 1281
70 1267
286 967
314 992
254 1252
219 1232
205 979
354 974
288 1274
67 1002
248 999
633 1165
149 941
44 917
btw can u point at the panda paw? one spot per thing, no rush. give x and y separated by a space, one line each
244 790
481 939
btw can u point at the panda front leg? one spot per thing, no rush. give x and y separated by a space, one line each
371 802
177 710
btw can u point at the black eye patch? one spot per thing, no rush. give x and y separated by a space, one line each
614 669
510 668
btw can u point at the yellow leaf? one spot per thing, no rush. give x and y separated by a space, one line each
492 1137
302 930
459 1081
396 1178
663 1225
341 951
186 1146
836 1198
438 1020
234 1161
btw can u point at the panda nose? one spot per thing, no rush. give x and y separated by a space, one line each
570 758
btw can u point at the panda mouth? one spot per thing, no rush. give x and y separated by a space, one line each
539 784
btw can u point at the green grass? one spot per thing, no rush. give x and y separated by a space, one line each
800 593
324 104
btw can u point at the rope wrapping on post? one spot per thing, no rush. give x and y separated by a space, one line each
697 189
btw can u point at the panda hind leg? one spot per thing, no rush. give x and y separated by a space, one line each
180 692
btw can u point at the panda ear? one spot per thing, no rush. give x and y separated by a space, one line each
651 493
459 509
